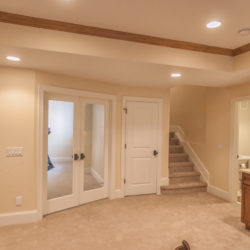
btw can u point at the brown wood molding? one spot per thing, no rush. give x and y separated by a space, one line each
113 34
241 50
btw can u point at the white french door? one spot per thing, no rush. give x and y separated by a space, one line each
142 130
76 151
94 150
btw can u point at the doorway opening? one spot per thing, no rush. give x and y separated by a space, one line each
240 145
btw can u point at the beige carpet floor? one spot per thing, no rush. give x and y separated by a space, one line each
146 222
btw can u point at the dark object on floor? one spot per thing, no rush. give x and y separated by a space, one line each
185 246
50 164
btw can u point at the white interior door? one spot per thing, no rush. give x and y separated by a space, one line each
93 150
61 171
142 145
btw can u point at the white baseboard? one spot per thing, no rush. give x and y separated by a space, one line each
60 159
117 194
164 181
19 218
218 192
98 178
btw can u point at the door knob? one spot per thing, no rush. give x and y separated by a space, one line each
82 156
155 153
76 157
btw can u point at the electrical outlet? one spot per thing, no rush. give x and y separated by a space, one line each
19 201
14 152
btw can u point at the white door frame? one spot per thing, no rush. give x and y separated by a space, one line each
42 89
123 152
233 172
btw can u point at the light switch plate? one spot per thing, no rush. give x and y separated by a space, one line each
14 152
19 201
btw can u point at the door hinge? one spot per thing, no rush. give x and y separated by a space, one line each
125 146
126 110
124 181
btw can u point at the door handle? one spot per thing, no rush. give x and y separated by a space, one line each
76 157
82 156
155 153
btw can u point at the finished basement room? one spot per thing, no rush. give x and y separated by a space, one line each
124 125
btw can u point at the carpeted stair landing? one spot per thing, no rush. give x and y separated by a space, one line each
183 178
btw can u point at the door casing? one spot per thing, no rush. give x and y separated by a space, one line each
123 156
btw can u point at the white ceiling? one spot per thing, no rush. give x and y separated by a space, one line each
116 71
175 19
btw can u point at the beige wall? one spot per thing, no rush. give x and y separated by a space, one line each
207 124
17 128
18 99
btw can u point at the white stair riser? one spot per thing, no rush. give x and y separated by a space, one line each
184 190
184 179
180 169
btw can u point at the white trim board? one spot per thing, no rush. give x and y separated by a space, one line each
164 181
219 192
117 194
19 217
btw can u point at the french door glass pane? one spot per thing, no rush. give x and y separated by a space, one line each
60 148
94 126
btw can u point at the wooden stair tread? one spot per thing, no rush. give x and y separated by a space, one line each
184 174
184 185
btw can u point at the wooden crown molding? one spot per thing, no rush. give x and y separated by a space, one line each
241 50
119 35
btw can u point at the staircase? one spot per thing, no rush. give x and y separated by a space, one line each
182 176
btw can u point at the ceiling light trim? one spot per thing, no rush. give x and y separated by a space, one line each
13 58
176 75
213 24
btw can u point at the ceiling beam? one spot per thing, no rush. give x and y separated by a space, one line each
118 35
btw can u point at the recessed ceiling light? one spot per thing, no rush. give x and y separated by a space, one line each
244 32
213 24
13 58
175 75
